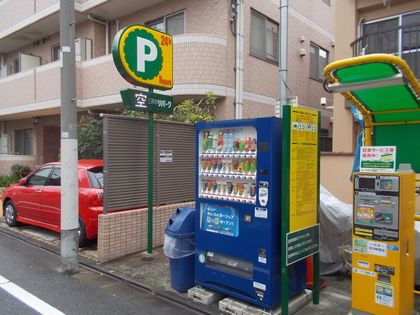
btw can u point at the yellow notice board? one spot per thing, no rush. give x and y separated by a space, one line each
303 168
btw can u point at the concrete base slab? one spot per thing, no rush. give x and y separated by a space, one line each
236 307
204 296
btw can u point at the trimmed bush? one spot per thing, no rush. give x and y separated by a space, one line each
18 171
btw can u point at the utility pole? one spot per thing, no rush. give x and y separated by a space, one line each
284 13
69 173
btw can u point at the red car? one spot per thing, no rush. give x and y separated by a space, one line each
36 200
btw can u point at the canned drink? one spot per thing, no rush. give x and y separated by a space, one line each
229 166
226 166
253 190
204 185
214 186
229 188
219 165
214 164
219 187
246 189
235 188
224 188
209 186
208 165
241 189
235 166
241 166
204 164
253 166
246 166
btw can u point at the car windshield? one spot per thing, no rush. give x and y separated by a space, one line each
96 177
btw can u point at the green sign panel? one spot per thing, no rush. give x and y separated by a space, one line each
302 243
146 101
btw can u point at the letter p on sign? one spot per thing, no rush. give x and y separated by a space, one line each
146 51
143 56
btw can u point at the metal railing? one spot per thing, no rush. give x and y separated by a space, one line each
402 41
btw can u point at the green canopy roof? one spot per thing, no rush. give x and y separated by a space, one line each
390 101
386 92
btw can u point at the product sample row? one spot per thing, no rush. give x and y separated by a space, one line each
227 140
240 191
229 166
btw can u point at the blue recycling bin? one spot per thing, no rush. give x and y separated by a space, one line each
179 247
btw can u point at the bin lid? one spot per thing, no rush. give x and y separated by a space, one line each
182 223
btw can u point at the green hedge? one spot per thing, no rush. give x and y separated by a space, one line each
7 180
17 171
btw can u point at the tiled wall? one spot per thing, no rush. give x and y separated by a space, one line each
123 233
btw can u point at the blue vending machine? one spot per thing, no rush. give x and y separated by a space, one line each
238 211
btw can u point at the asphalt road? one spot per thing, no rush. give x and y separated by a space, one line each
31 274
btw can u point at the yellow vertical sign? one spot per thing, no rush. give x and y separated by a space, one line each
303 168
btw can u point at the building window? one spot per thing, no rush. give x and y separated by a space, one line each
88 49
172 24
16 65
55 52
326 141
83 48
398 35
264 37
318 61
23 141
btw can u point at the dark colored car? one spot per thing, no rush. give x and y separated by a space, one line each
36 199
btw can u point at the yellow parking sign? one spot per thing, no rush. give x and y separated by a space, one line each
144 56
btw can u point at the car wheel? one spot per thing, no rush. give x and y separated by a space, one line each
83 241
10 214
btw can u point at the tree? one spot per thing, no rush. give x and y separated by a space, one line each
90 138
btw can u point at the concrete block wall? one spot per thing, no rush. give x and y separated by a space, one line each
124 233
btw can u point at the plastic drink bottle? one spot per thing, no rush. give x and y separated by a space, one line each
230 145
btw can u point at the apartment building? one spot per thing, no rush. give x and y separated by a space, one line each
366 27
206 54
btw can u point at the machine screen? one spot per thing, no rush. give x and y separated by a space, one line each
366 182
219 219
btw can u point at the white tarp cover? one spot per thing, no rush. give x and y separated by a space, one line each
336 226
336 230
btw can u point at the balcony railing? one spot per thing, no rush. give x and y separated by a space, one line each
403 41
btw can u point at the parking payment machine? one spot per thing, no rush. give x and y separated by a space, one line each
383 243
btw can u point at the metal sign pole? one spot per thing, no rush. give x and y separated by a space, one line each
150 182
316 277
284 271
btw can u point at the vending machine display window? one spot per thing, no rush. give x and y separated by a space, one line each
219 219
228 164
